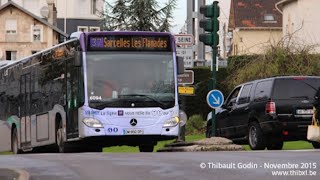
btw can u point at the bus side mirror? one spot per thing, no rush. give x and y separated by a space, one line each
78 58
180 64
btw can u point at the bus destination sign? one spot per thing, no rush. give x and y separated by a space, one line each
129 43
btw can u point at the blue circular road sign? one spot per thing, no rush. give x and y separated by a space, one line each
215 99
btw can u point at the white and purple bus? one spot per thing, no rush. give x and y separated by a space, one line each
98 89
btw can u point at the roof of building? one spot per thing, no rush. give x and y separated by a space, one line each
10 3
282 3
254 14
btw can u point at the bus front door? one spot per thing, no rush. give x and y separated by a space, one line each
25 120
72 104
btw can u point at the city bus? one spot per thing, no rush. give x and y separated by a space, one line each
95 90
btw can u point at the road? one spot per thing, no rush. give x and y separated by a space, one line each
164 166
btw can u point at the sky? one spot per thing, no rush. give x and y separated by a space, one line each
180 13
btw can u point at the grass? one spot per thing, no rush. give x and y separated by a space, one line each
293 145
128 149
5 153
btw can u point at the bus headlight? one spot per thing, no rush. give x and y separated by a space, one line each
171 122
91 122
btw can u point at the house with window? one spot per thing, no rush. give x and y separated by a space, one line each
72 15
22 33
79 15
255 25
300 22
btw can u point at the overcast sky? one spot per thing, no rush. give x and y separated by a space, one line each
180 13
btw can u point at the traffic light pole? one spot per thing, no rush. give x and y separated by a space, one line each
211 25
214 81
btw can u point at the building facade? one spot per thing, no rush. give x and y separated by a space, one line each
255 25
23 33
79 15
300 22
72 15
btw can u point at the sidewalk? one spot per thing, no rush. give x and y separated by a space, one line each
13 174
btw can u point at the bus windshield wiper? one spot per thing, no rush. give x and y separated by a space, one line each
101 104
146 96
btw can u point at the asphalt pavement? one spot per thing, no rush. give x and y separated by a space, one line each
251 165
8 174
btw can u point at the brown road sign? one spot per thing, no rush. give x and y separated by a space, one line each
186 78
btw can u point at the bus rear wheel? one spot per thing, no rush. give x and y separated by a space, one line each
15 143
146 148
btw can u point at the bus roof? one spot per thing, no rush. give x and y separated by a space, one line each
129 33
25 59
150 33
5 63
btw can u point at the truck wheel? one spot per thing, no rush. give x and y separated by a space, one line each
146 148
316 145
256 138
15 143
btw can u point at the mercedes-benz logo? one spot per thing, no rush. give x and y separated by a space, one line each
133 122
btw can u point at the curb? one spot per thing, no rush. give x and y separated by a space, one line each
14 174
23 175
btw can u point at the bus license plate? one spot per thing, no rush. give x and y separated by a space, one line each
133 131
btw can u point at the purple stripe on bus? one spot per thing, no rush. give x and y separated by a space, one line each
141 33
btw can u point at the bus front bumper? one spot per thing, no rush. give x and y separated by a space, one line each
113 131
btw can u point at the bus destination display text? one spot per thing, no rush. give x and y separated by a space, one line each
130 43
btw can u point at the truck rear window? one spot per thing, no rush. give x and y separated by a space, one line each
296 88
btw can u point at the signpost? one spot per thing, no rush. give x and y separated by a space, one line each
186 78
184 49
215 99
184 39
187 54
186 90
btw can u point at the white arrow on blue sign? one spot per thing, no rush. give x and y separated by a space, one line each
215 99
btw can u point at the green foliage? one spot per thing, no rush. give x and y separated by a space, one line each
138 15
278 61
198 104
195 125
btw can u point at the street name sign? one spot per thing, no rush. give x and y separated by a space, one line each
184 39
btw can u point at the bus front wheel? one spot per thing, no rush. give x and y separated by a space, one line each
60 140
146 148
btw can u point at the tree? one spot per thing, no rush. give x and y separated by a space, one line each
283 59
138 15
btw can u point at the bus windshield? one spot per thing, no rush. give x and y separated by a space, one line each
130 79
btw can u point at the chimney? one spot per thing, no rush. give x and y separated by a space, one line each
52 19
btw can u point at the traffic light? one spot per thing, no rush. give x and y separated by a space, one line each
210 24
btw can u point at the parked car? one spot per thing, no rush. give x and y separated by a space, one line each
264 113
